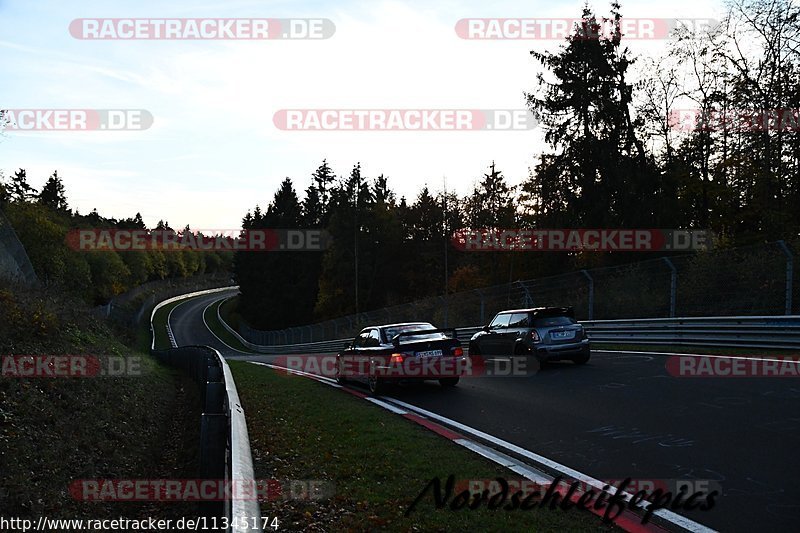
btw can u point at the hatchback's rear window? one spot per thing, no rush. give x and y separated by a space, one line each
550 321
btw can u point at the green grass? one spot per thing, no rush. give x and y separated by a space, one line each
230 312
378 461
160 325
219 330
693 349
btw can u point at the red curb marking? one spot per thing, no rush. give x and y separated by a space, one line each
433 426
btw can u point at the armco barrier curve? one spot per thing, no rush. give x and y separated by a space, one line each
224 443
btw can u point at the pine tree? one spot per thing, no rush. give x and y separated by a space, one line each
19 188
53 194
598 170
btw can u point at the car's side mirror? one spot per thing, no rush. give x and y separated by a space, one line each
347 346
487 329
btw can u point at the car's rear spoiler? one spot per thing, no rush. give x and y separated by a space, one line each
396 338
555 311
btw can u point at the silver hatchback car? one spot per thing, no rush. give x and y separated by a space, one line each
548 333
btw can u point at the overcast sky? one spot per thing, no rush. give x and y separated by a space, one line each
213 151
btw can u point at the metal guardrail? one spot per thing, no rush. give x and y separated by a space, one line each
224 442
777 332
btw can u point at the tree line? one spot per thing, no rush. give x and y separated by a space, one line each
615 158
42 220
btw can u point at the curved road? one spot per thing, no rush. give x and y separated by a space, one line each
622 415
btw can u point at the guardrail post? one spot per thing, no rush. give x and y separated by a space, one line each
591 293
789 270
673 285
528 298
483 306
213 440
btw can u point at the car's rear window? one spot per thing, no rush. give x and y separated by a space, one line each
396 330
550 321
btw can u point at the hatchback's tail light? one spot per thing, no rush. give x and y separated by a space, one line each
397 358
458 351
535 336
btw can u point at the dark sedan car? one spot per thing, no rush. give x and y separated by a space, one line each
548 333
396 353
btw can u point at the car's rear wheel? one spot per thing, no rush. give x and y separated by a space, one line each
448 382
375 384
582 359
340 379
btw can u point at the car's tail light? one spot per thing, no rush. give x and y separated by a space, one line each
397 358
535 336
458 351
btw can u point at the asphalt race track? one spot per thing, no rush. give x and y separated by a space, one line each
622 415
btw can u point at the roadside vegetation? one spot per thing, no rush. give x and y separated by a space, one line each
42 220
55 430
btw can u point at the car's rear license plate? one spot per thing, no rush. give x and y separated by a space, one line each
562 334
430 353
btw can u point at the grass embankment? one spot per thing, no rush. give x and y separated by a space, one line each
230 312
378 462
54 431
160 318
